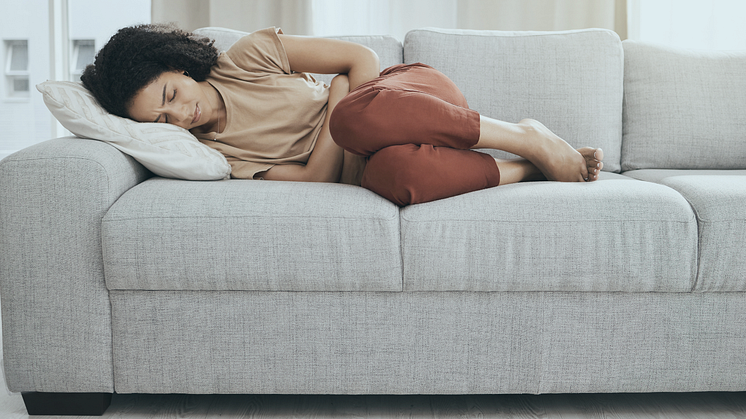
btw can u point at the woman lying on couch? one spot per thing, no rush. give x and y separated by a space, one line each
405 133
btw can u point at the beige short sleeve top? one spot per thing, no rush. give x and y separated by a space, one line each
274 115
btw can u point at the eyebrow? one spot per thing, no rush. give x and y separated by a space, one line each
163 101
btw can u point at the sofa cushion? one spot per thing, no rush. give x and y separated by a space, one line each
571 81
683 109
717 197
616 234
251 235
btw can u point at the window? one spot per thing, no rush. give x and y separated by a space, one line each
16 68
697 24
50 40
83 53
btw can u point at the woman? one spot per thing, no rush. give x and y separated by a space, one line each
405 133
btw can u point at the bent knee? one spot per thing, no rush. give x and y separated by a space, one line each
392 172
341 125
412 174
358 124
349 124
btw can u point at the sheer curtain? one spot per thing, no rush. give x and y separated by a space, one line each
392 17
397 17
381 17
293 16
708 24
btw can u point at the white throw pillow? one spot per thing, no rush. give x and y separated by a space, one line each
165 149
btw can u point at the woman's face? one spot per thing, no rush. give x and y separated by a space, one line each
173 98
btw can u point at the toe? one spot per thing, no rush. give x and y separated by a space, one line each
593 157
595 173
590 155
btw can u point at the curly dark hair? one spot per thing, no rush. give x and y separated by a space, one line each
137 55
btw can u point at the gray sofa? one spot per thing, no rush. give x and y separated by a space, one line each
114 280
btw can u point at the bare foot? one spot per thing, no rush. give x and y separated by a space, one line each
594 161
556 159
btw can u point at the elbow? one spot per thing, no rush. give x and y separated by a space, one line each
373 58
364 60
364 66
372 61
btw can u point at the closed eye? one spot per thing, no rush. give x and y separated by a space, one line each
165 119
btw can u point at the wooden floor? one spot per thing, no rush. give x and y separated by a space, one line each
663 405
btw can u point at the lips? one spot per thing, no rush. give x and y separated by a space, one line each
197 114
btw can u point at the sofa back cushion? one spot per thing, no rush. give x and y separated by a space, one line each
683 109
571 81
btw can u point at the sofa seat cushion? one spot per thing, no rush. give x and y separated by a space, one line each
571 80
251 235
718 198
616 234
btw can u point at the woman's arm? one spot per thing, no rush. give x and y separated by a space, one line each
358 64
325 162
331 56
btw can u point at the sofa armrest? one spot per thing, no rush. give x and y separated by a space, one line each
55 306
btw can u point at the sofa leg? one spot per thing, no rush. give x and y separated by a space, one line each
79 404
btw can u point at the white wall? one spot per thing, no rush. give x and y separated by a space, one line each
27 121
99 20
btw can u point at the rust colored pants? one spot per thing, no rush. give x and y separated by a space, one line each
416 129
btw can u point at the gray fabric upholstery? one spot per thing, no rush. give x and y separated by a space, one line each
529 288
549 236
718 197
683 109
252 235
570 81
427 342
56 311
